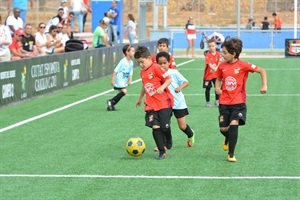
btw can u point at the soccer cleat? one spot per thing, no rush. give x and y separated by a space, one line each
231 158
191 140
208 105
169 144
161 155
156 149
110 105
225 145
216 103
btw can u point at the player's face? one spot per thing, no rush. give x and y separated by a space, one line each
212 47
144 63
164 63
227 56
130 52
163 47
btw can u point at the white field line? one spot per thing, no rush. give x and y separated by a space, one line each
149 177
69 105
248 95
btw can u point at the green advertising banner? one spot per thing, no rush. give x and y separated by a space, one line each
27 78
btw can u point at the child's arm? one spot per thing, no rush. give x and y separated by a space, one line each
113 78
161 89
218 86
130 80
183 85
139 101
263 75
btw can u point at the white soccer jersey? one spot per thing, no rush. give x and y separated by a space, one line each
124 70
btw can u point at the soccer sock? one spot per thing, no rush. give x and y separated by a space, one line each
159 139
207 94
167 133
233 136
118 97
188 131
226 135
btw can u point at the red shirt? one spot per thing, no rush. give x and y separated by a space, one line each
234 77
14 45
172 61
190 28
277 23
211 59
153 78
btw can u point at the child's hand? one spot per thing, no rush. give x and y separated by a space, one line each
218 91
138 103
159 91
263 89
112 83
129 83
177 89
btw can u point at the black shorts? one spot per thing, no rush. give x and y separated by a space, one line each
232 112
118 88
180 113
159 118
208 83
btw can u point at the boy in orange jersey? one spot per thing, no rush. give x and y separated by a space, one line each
231 86
277 22
213 59
158 101
163 46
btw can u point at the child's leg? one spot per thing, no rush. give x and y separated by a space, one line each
184 127
233 137
158 138
165 125
207 94
119 96
216 95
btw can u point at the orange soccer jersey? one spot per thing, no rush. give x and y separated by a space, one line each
211 59
172 61
153 78
277 23
234 77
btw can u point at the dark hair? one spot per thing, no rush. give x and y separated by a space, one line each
163 41
130 16
265 18
142 52
274 14
71 13
126 48
163 54
234 45
211 40
52 27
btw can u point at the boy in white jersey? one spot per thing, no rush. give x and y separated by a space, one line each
178 83
122 76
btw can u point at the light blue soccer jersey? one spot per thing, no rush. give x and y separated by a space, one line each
124 69
177 80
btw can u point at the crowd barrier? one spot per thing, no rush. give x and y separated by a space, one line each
27 78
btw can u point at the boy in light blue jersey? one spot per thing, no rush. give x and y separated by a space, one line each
122 76
178 83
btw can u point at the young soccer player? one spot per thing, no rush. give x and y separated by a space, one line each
178 83
163 46
158 101
213 59
231 86
122 76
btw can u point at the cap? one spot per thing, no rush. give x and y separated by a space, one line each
19 32
106 20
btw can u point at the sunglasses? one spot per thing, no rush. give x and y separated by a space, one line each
42 26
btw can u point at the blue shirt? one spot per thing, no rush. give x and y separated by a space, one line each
177 80
21 4
114 21
124 70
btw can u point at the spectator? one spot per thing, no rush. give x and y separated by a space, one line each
15 22
56 19
69 19
64 34
53 45
77 6
41 39
100 38
28 41
113 14
22 5
16 46
130 29
191 36
250 24
265 24
277 22
89 10
64 5
5 41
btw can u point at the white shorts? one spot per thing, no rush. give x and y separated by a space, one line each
191 36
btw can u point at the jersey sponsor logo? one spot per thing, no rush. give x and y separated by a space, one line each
150 76
237 70
150 89
230 83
